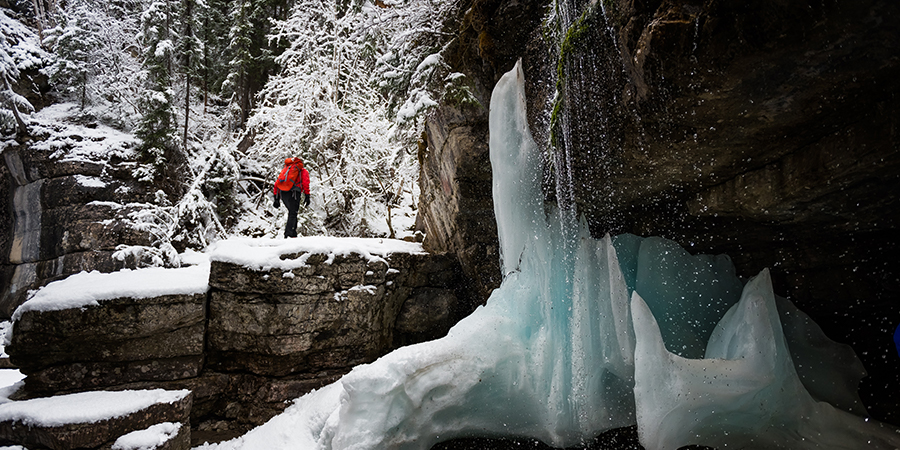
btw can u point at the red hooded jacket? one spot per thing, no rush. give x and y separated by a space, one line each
293 174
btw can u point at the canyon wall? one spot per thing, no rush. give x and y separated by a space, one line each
766 130
256 340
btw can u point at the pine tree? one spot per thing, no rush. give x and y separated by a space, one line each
253 52
156 128
189 51
212 61
74 40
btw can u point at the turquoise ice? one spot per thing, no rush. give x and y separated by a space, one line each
585 335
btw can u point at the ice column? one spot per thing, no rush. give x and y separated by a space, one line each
745 392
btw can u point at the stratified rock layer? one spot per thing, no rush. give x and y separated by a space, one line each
256 340
323 316
103 433
116 342
67 216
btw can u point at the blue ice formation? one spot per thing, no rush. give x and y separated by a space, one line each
586 335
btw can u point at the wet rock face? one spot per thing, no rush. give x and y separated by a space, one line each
66 216
765 130
456 208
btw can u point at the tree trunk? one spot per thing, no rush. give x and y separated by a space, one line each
39 18
188 33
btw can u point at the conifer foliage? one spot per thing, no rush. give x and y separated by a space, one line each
156 128
219 92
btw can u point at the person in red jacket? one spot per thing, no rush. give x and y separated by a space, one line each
292 183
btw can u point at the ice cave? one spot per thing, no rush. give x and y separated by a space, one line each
586 335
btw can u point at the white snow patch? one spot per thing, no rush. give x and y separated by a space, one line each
96 144
87 181
90 288
265 254
10 382
148 439
368 288
85 407
4 328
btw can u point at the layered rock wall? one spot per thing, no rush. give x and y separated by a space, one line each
65 217
256 340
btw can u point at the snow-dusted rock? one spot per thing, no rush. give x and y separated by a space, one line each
94 420
69 213
328 312
265 322
111 343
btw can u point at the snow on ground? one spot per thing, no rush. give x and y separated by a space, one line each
85 407
90 288
10 379
73 142
148 439
10 382
265 254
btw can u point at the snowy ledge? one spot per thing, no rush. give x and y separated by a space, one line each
90 288
266 254
85 407
150 438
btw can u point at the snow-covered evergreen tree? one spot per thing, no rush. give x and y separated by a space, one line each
75 42
157 124
19 51
213 38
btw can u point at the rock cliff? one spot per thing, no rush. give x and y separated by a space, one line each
65 214
764 130
257 339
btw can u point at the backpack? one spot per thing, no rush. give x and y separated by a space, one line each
290 175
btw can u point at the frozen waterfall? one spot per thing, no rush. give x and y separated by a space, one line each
556 355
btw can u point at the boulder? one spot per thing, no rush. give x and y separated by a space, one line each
328 314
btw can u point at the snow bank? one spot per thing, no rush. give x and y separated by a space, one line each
90 288
148 439
85 407
95 144
265 254
10 382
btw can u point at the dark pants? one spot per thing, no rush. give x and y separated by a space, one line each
293 205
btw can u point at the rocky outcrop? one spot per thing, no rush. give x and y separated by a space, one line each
259 338
120 341
67 216
456 208
456 213
323 316
20 428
